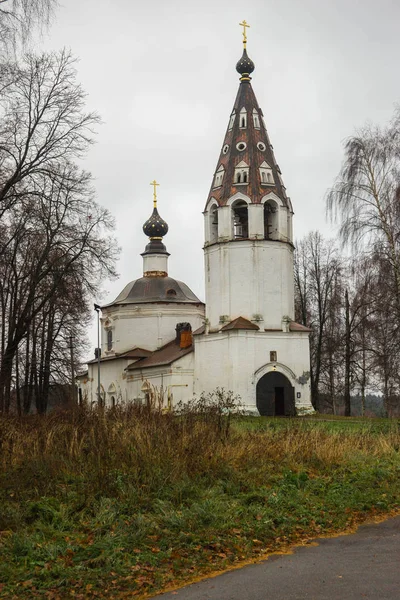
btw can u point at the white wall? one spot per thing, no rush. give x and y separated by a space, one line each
236 360
247 278
148 326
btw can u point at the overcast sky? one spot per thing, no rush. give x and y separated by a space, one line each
162 76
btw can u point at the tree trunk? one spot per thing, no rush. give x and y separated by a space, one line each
347 402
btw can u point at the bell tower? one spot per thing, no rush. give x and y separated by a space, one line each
250 332
248 221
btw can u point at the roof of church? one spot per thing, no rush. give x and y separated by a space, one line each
134 352
240 323
247 145
163 356
297 327
156 289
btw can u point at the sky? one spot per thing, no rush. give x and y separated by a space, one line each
162 76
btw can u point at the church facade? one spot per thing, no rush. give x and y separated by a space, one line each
158 337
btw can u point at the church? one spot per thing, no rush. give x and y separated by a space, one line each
158 339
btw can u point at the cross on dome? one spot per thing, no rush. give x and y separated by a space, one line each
154 184
244 24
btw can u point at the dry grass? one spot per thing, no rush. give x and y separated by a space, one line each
89 496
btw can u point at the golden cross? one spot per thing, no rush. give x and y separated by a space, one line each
154 184
244 25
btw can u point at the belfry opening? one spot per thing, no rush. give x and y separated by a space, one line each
275 396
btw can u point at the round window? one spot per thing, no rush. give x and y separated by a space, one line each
225 149
261 146
241 146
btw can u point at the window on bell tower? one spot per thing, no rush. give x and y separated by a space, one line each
240 220
243 118
241 173
219 177
232 120
256 119
213 223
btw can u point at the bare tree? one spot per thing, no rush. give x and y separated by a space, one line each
366 196
54 237
317 270
20 18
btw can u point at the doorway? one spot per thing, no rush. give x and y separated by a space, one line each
275 396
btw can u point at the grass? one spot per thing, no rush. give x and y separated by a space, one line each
124 504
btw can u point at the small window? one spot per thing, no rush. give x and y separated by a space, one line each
273 356
171 293
225 149
269 178
232 120
241 146
263 177
109 340
261 146
256 119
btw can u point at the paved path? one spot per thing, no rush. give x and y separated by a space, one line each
364 565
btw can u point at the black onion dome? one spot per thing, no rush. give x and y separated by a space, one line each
155 227
245 66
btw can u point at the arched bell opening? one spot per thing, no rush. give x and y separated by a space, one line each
240 217
275 396
213 224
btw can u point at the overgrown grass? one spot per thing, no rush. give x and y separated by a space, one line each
125 503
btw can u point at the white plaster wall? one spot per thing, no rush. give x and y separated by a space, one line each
176 381
247 278
148 326
225 223
256 221
111 372
155 262
237 360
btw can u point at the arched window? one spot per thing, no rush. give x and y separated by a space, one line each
214 224
109 340
263 177
240 220
245 177
256 119
243 118
238 177
269 178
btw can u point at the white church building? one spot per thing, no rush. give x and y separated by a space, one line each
157 335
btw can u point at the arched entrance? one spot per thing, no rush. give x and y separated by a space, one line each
275 395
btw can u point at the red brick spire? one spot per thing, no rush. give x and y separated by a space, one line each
247 163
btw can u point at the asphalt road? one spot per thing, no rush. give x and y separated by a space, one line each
364 565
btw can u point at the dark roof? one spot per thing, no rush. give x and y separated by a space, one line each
164 356
293 326
199 330
240 323
297 327
156 289
132 353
